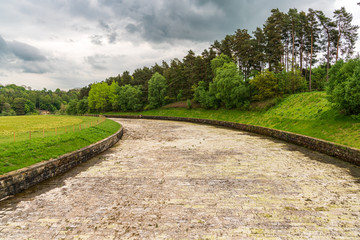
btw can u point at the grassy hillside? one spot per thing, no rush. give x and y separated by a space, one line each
304 113
25 152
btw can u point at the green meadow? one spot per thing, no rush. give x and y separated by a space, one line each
51 136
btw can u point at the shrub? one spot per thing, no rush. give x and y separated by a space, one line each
291 82
188 104
266 85
203 96
344 85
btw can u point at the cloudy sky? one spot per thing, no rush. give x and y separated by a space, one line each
70 43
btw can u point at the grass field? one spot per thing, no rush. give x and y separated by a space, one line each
41 126
25 152
305 113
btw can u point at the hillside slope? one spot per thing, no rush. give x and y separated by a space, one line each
305 113
305 106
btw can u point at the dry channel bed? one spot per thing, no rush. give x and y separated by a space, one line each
174 180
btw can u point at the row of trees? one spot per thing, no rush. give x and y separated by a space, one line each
19 100
276 59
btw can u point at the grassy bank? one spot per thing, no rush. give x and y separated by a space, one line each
20 128
19 154
305 113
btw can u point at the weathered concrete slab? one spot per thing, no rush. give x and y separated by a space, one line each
175 180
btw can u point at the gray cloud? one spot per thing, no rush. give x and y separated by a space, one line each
97 62
160 21
3 48
132 28
18 56
145 31
25 51
21 50
96 39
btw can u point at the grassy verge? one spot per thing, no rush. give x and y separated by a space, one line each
306 113
16 155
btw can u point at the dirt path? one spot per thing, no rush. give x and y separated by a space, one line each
173 180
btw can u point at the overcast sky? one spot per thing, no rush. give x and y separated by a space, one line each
70 43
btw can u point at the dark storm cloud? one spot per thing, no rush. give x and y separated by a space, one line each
29 59
36 67
197 20
3 48
25 51
21 50
131 28
161 21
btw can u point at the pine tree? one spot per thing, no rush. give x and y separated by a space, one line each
258 46
273 35
328 30
346 32
312 35
242 49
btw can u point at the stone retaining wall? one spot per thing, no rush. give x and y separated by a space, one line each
340 151
17 181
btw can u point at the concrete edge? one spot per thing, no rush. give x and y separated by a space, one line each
16 181
342 152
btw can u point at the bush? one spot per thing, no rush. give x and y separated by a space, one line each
291 82
82 106
344 86
266 86
318 78
203 96
72 107
188 103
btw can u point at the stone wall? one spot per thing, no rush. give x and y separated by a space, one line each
339 151
17 181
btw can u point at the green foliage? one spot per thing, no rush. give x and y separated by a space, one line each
229 87
82 106
157 90
266 85
99 96
72 107
179 96
344 85
23 106
188 104
219 61
291 82
6 110
203 96
128 98
318 78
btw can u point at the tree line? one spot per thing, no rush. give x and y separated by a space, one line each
20 100
277 59
292 52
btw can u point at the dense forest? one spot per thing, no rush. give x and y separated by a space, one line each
293 52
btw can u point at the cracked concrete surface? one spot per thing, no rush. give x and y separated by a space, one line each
175 180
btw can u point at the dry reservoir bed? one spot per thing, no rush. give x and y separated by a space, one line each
175 180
